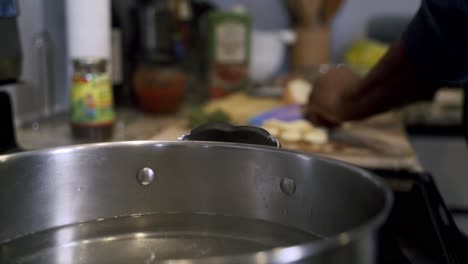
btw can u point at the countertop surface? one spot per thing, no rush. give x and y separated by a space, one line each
131 124
379 142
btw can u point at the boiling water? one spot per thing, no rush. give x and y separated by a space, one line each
150 238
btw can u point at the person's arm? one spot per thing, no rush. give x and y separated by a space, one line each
431 52
339 95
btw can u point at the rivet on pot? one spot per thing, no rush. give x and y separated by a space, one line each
145 176
288 186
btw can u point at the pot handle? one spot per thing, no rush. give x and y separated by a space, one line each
7 132
225 132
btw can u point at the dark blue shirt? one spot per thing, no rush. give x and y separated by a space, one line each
436 41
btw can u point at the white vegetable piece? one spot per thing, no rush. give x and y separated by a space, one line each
274 123
298 91
299 126
316 136
291 136
296 131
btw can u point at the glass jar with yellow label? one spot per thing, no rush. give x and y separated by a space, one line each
92 111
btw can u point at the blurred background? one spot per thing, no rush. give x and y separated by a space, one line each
101 70
42 34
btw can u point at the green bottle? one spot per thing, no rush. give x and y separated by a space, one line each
228 41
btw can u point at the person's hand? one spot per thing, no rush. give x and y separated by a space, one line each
340 95
331 101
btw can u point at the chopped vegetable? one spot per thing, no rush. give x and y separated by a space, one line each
296 131
199 117
316 136
297 92
291 136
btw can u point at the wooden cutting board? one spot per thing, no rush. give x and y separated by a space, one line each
379 143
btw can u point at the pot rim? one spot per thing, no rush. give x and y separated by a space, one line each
274 255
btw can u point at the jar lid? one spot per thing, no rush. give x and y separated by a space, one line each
90 64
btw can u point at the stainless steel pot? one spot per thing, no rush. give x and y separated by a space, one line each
186 202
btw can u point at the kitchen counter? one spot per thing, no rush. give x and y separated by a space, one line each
55 131
440 117
376 143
